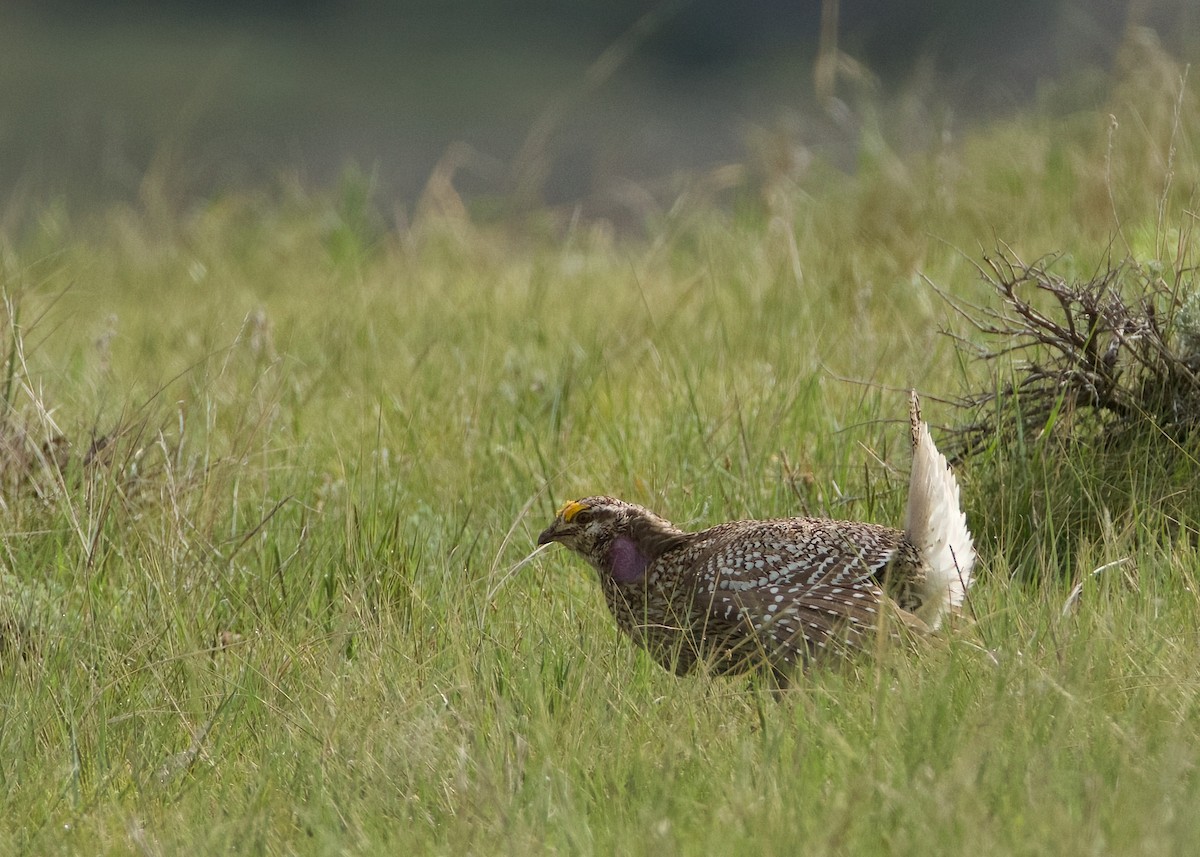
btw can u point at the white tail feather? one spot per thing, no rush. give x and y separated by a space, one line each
935 523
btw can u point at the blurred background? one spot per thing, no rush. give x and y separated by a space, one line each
601 104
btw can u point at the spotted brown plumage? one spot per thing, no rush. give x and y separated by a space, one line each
775 593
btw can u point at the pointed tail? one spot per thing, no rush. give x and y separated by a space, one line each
936 525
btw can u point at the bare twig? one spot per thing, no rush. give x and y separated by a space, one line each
1107 347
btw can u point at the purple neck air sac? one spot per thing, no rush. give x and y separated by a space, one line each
626 562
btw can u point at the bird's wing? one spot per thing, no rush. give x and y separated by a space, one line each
797 552
824 618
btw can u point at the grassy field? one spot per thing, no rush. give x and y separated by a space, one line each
267 465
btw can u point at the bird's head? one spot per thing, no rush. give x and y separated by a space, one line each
618 538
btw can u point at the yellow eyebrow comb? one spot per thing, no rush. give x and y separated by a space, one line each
570 510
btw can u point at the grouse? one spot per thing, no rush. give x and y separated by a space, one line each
776 594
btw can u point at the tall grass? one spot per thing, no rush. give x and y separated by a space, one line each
272 612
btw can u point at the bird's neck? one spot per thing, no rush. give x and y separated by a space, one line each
644 539
654 536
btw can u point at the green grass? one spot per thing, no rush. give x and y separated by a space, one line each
274 614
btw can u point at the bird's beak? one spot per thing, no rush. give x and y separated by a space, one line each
550 534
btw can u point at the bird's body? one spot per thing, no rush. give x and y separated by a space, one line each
775 593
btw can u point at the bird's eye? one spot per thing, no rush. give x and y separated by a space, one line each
581 517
